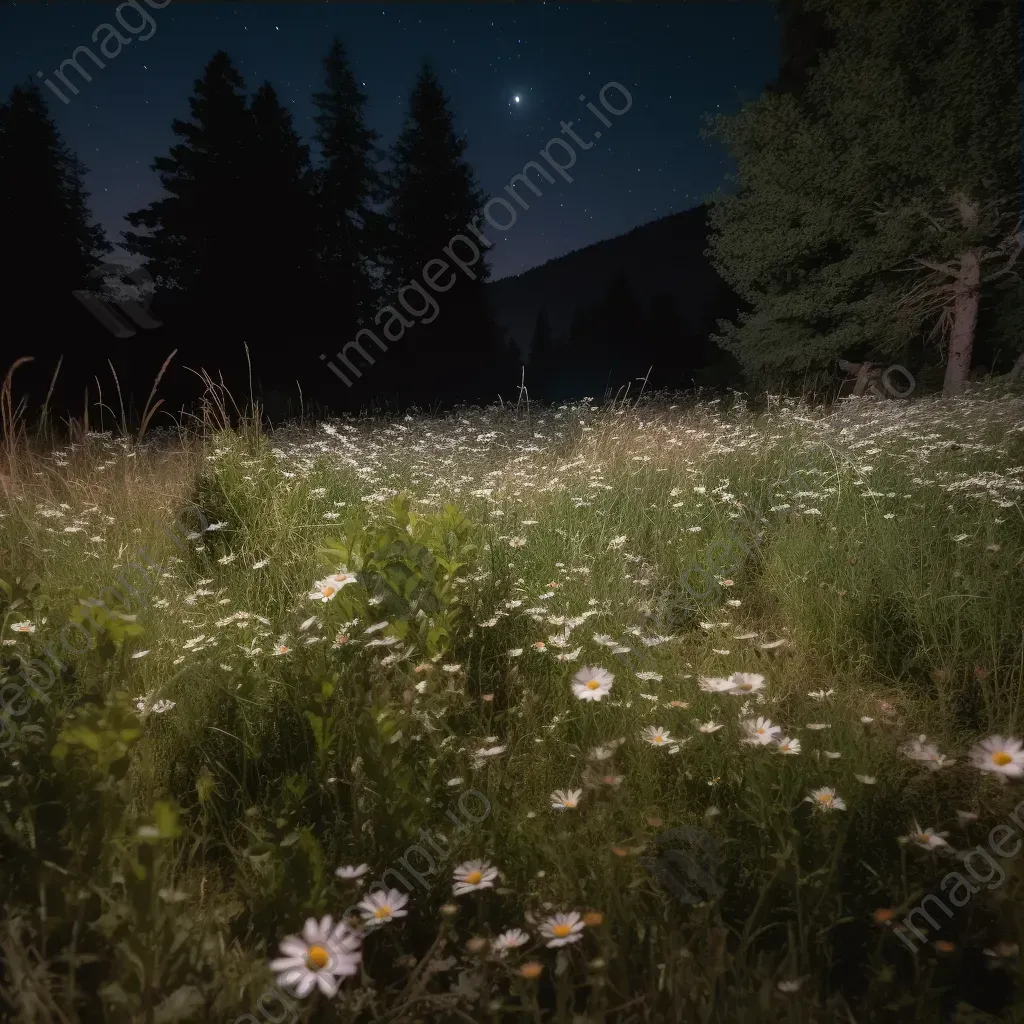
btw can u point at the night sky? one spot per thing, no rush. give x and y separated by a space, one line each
678 62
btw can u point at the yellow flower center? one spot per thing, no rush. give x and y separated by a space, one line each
474 877
593 684
382 913
657 739
1002 758
317 957
561 930
328 591
824 798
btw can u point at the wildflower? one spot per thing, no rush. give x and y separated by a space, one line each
883 915
281 649
816 726
616 542
605 751
517 542
323 591
593 918
918 750
349 871
745 682
380 907
715 684
789 746
966 817
927 839
320 958
825 799
341 578
483 753
649 676
473 875
792 985
512 938
760 732
868 780
820 694
562 929
710 726
592 683
656 735
1003 756
531 970
23 627
566 799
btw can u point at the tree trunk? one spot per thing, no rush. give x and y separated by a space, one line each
1018 367
965 319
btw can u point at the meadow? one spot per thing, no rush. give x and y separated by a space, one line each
682 710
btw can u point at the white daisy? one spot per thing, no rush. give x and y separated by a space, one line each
656 735
825 799
867 780
23 627
513 938
715 684
592 683
380 907
320 958
710 726
760 732
566 799
918 750
745 682
350 871
927 839
1002 756
473 875
789 746
562 929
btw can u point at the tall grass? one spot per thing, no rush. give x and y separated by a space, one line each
865 560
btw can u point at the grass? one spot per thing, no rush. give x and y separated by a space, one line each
864 560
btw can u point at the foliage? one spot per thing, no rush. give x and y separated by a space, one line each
849 192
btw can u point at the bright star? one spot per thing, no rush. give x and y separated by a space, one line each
516 98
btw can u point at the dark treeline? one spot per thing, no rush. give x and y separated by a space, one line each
904 251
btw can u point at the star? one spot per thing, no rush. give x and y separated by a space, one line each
515 98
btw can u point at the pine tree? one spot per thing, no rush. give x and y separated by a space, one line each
53 247
199 245
432 196
347 183
882 201
284 213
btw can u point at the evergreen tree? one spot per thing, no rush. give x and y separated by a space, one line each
882 200
284 215
347 182
53 250
432 196
43 208
195 248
